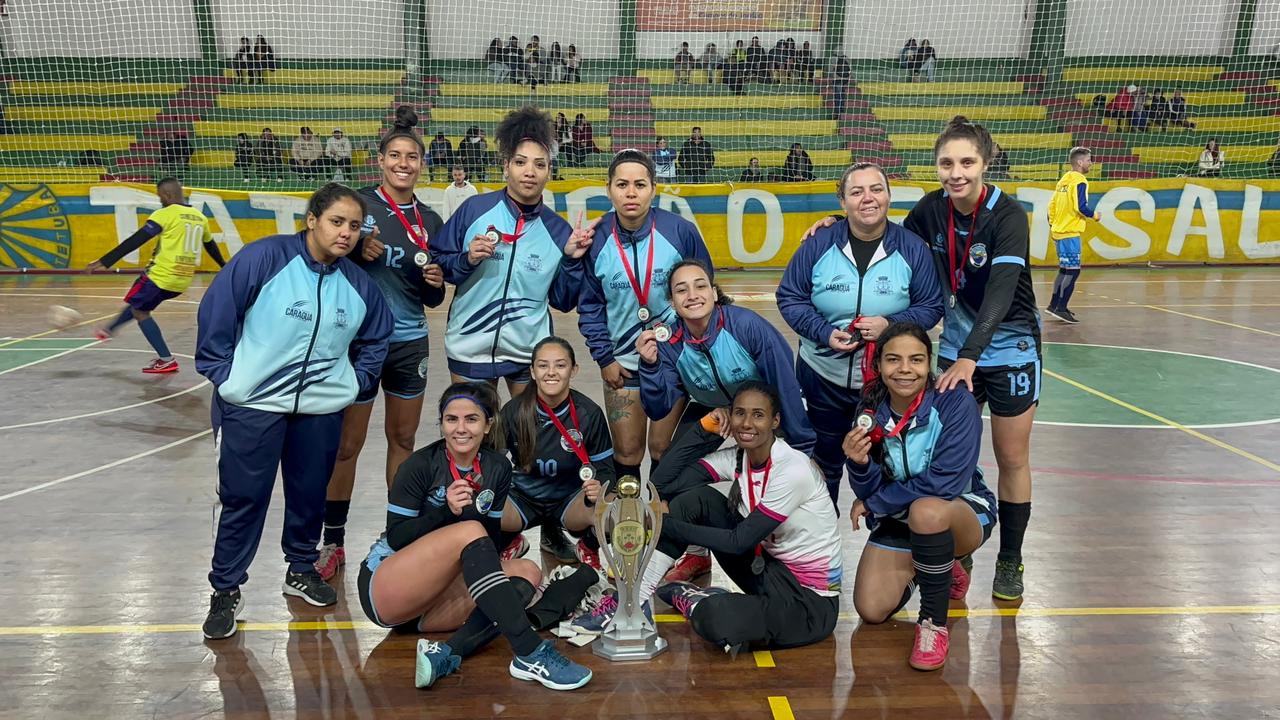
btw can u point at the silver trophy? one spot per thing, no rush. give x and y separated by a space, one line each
628 527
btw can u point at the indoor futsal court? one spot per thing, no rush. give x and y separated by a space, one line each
1151 563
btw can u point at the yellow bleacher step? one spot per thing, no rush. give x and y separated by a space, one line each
70 174
1197 73
735 102
254 101
286 130
522 91
1191 153
71 144
329 76
1008 141
584 173
41 113
712 128
23 87
775 158
1255 123
943 113
1194 99
941 88
493 115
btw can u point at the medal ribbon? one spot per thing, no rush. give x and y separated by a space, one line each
906 416
951 238
475 470
419 240
578 449
641 295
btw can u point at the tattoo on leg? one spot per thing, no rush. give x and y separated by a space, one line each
618 405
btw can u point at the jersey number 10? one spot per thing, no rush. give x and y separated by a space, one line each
194 235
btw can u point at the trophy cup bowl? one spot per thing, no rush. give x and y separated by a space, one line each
628 526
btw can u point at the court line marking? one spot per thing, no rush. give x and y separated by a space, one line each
780 708
1161 419
38 335
87 297
764 659
107 466
108 411
311 625
89 342
1123 477
1212 320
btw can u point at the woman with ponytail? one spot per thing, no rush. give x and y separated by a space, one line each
913 464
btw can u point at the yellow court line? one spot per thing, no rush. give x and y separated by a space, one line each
1212 320
1165 421
764 659
780 708
90 321
310 625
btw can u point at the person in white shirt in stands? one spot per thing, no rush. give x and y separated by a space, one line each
305 154
664 162
337 153
458 191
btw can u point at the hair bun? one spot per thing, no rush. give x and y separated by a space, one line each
959 120
406 118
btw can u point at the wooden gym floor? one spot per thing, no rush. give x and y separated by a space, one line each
1152 557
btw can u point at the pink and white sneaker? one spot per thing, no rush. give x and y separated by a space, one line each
688 568
161 367
331 558
517 548
589 557
959 581
930 650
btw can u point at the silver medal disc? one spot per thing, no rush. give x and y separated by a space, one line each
586 472
661 333
493 235
644 314
866 422
421 259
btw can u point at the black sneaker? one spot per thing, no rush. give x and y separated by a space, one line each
224 607
309 586
555 543
1063 314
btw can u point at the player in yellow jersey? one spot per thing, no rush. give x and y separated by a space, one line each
1068 210
182 230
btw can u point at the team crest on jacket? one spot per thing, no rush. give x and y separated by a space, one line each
577 438
484 501
978 255
340 318
882 286
533 263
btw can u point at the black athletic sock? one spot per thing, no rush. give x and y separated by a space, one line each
1057 291
932 555
495 596
1013 525
906 598
1068 286
561 597
479 630
335 521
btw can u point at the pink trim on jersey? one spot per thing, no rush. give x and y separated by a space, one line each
710 470
811 573
772 514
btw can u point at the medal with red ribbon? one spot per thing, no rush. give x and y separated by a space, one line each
968 244
587 471
642 294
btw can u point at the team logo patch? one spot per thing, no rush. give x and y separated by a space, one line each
577 438
340 318
882 286
369 224
422 367
533 263
484 501
939 243
1023 345
978 255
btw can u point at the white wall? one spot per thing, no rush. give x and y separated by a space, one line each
1151 27
1266 28
965 29
100 28
459 30
332 28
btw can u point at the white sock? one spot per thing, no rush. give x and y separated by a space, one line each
658 566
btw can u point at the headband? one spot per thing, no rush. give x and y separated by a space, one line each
466 396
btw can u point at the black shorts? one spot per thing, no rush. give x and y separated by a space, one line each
363 583
894 534
534 512
145 295
1008 391
404 372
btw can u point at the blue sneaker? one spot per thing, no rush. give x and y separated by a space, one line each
683 596
595 622
434 661
547 666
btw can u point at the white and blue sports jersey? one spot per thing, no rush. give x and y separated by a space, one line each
608 304
822 291
501 308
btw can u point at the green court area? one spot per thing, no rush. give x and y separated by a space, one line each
16 353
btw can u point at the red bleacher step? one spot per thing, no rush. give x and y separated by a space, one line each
1060 102
1240 75
191 103
630 92
1097 128
134 161
623 106
1109 160
862 146
1095 143
176 119
628 80
862 130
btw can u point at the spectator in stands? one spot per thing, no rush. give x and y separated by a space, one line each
735 69
926 60
998 169
756 62
268 158
805 63
1211 159
696 158
664 162
533 67
841 76
907 56
1140 110
583 141
458 191
264 57
1120 108
555 64
572 64
775 63
562 131
797 167
337 154
1178 113
711 62
244 155
440 155
752 172
175 152
515 60
1159 110
683 64
242 61
497 61
472 152
305 154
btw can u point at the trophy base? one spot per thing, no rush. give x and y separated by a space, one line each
621 646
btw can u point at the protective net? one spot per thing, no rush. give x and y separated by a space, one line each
131 89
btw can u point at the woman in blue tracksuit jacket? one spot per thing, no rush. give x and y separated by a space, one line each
288 333
913 463
840 290
512 259
714 348
631 256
